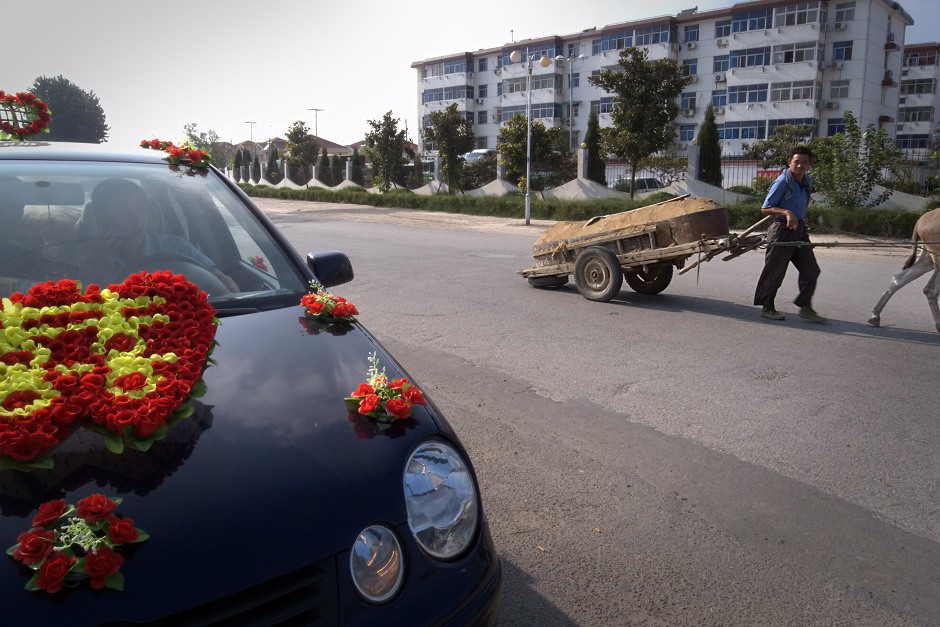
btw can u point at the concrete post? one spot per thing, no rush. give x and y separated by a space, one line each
500 168
694 159
437 168
349 169
582 163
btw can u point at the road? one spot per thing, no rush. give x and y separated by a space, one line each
674 459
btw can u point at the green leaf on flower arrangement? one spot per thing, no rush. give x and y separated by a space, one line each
352 404
12 548
199 389
184 411
115 581
114 442
43 463
141 535
31 584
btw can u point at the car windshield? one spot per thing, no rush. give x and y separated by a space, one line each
99 222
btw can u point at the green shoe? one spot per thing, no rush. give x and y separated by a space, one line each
807 313
772 314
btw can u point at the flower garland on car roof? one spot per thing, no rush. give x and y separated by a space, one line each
68 544
120 362
22 115
179 155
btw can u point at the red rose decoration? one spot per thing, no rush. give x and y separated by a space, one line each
96 507
53 572
364 389
101 564
413 395
34 546
326 307
122 531
49 512
383 400
369 403
23 115
398 408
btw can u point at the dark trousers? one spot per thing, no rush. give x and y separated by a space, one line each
776 260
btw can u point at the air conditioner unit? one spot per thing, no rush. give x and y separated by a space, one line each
688 112
470 74
681 146
566 120
496 118
719 110
830 105
834 65
904 72
902 100
479 101
676 47
693 78
900 127
720 78
722 42
497 71
838 26
690 45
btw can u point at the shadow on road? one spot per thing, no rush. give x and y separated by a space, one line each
522 605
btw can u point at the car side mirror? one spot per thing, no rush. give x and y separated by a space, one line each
331 267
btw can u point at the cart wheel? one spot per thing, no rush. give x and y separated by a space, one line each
653 281
548 281
598 274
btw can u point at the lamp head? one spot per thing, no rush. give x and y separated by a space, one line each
515 56
545 61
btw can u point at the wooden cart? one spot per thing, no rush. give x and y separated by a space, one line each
641 247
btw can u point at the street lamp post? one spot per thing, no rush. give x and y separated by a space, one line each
515 56
316 132
251 131
560 59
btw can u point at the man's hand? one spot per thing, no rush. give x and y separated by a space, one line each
792 222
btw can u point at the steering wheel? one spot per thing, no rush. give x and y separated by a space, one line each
195 273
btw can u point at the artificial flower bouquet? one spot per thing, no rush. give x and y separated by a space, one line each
120 362
324 306
384 400
22 115
68 544
179 155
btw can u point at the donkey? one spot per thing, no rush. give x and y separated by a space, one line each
927 230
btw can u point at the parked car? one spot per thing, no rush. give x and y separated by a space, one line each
644 185
475 155
273 503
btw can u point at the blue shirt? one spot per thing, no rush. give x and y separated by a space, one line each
157 243
787 193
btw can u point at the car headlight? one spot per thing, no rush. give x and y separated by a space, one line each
441 499
375 563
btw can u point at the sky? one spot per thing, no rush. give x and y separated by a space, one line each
156 66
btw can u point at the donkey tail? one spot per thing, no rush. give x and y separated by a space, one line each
910 260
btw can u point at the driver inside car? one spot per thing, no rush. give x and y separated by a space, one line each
121 241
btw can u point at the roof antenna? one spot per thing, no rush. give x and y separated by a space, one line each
512 37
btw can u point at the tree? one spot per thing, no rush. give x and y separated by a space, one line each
273 171
237 165
773 151
481 172
77 115
848 165
511 144
596 168
387 149
709 163
323 169
357 167
452 135
337 169
644 108
255 169
198 139
302 149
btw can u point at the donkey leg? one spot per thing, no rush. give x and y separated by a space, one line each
923 265
932 292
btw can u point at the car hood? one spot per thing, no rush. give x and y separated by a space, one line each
271 473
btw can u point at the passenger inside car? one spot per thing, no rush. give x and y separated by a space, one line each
117 240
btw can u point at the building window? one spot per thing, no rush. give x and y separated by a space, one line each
651 35
773 124
750 57
574 50
687 100
842 51
574 109
432 95
575 80
835 126
481 143
915 114
481 91
544 50
689 67
742 94
760 19
720 97
839 89
481 117
686 132
751 129
604 105
499 89
481 64
690 33
797 90
794 53
432 70
458 92
468 116
453 67
919 86
912 141
845 11
721 64
796 14
723 28
612 41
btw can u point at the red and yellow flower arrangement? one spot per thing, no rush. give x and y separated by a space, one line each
68 544
179 155
22 115
119 361
327 307
384 400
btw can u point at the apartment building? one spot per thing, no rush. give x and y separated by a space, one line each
762 64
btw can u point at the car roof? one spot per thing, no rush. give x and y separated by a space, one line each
69 151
